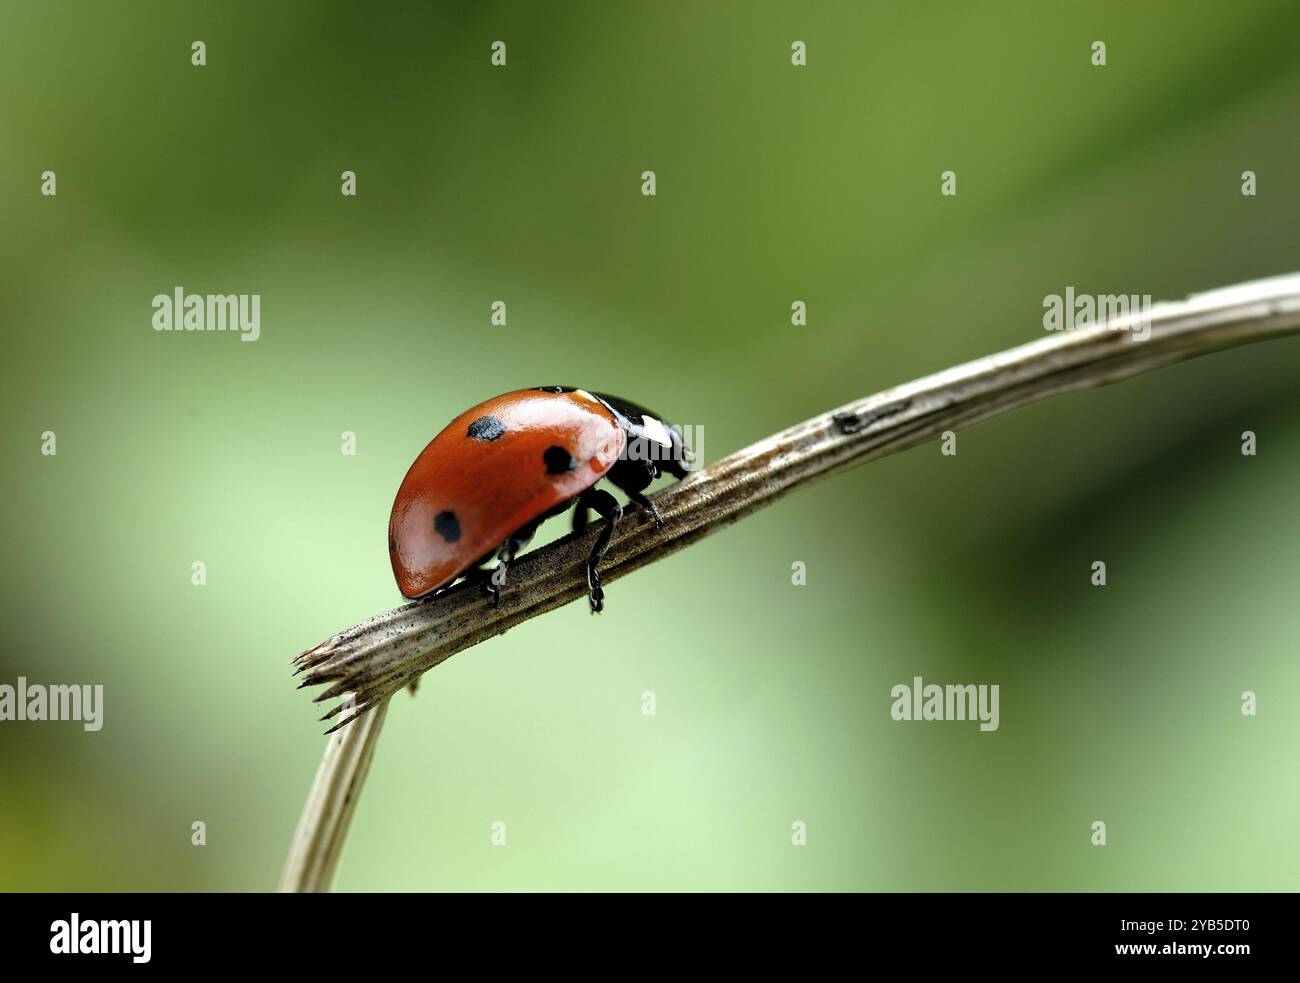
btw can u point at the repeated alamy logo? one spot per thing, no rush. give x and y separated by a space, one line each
664 442
1119 312
930 701
37 702
179 311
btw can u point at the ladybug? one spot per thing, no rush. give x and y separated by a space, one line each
486 482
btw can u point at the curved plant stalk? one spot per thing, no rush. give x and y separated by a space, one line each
318 840
376 658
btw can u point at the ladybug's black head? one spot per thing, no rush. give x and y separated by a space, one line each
650 438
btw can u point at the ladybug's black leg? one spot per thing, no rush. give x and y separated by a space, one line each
632 477
580 516
512 547
648 505
607 507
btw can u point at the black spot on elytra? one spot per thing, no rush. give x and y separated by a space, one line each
558 460
392 545
486 428
446 525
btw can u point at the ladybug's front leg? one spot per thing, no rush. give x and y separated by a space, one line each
649 506
607 507
632 477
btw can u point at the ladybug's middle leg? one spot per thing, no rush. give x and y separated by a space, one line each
580 516
607 507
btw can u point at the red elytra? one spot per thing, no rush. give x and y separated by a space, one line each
491 471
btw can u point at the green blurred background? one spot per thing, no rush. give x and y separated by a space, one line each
775 183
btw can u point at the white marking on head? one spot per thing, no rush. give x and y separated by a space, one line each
656 431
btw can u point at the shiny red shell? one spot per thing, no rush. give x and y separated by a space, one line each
491 471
